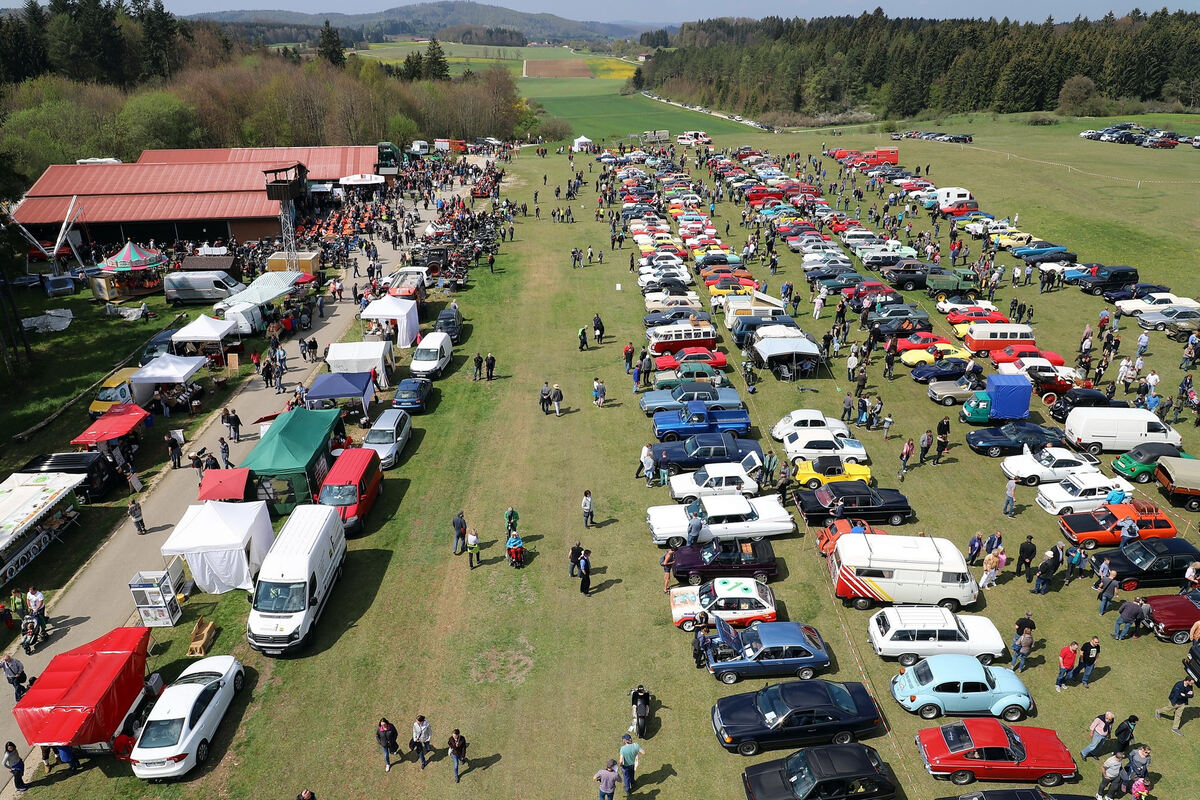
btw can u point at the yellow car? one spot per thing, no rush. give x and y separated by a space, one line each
912 358
717 290
815 473
960 330
1012 238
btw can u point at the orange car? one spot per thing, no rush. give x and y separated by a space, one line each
827 537
725 270
1103 526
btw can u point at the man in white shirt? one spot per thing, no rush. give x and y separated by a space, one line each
421 735
37 604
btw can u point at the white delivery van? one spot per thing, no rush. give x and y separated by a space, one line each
431 356
249 317
201 286
951 194
919 570
296 580
1099 429
419 147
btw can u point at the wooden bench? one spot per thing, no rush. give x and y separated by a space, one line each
202 637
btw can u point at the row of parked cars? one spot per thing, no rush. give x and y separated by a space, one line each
1131 133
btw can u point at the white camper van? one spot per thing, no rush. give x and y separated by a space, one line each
868 569
296 580
201 286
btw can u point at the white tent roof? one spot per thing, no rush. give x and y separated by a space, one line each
264 289
224 543
205 329
361 357
390 307
779 332
25 497
169 368
769 348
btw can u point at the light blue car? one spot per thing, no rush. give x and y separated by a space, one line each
961 686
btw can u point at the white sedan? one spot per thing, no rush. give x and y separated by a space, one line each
670 273
1049 465
724 516
948 305
805 444
179 731
725 477
1081 493
1156 301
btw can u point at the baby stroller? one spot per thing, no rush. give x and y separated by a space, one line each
33 633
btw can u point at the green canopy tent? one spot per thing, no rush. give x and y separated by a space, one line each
290 461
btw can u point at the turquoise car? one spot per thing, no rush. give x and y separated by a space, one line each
959 685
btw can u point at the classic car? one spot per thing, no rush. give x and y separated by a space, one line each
1048 465
948 393
725 516
1103 526
910 633
1155 301
845 280
1038 246
668 302
948 369
1149 562
412 394
807 419
687 372
1012 437
1022 351
1027 793
738 601
765 649
1080 397
825 772
807 443
787 714
1134 291
958 684
933 353
987 749
816 472
713 397
705 448
1159 320
667 284
895 311
828 536
858 501
975 313
1079 493
962 303
729 477
1174 615
919 341
713 358
1139 463
725 558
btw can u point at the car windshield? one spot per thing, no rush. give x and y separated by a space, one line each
161 733
279 598
701 476
922 674
957 737
1105 519
1046 458
799 775
426 354
380 436
705 595
1194 596
751 643
109 394
824 496
339 495
1139 554
695 508
408 394
771 704
1014 741
1072 488
841 697
691 446
202 678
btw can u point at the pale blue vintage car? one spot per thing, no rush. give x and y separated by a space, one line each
961 686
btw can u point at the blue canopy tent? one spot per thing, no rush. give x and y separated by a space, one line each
332 387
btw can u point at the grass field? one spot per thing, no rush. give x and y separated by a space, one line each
461 57
535 674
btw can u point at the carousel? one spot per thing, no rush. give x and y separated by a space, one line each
132 272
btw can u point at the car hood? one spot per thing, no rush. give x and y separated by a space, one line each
739 712
767 781
987 436
1008 682
1044 748
1173 610
685 601
656 396
1080 523
689 557
667 520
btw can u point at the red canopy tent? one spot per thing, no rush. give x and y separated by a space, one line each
112 424
225 484
82 695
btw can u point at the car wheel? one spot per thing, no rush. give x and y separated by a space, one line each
1053 779
1096 291
962 777
940 297
896 519
671 437
994 452
1160 327
1088 544
1095 448
1013 713
747 748
863 603
1192 505
732 434
813 484
985 658
695 579
947 401
688 625
761 577
843 737
1049 398
851 460
1144 477
806 673
1129 586
729 678
675 542
202 752
1031 480
1180 637
1065 510
689 499
929 711
908 659
239 681
981 353
673 469
949 604
908 286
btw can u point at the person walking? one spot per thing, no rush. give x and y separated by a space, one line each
1125 733
1010 498
235 426
607 778
388 739
511 518
14 673
573 557
1100 729
15 766
1178 699
630 758
647 465
459 524
456 746
1107 591
925 443
589 518
223 449
1110 776
991 563
1045 572
667 562
627 354
770 464
556 398
1066 665
477 363
1022 647
1127 617
489 366
1089 652
906 452
422 734
134 510
544 398
585 573
174 451
974 546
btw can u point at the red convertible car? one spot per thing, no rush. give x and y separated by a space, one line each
844 225
987 749
864 288
1015 351
975 314
716 360
1174 615
919 341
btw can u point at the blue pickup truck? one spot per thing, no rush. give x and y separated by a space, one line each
695 417
717 397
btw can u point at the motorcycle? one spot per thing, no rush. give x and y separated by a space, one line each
640 701
749 375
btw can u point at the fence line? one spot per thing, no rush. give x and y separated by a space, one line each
1070 168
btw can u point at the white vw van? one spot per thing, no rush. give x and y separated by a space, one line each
920 570
296 579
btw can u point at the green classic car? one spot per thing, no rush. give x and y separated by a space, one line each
1138 464
688 372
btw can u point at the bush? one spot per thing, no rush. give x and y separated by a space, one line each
555 129
1041 118
889 126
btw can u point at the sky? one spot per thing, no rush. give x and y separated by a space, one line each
676 11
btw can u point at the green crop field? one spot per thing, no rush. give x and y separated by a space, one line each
477 57
533 673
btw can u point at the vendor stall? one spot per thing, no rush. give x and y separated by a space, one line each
207 336
223 543
389 310
266 288
35 508
120 420
226 484
169 369
292 457
131 272
174 390
85 696
363 357
788 357
333 387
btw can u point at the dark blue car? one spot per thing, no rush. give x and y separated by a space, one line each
1011 438
948 369
1134 291
412 395
657 318
765 649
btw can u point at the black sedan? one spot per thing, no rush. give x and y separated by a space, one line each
787 714
1149 562
1009 439
858 500
829 772
828 271
1134 291
704 448
903 327
674 315
668 285
948 369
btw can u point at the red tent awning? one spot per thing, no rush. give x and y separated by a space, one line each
224 484
82 695
113 424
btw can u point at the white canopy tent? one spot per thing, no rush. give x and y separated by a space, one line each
169 368
223 543
26 497
362 180
204 329
404 312
362 357
580 144
266 287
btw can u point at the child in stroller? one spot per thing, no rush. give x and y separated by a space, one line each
33 633
515 547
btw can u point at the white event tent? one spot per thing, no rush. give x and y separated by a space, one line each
223 543
404 312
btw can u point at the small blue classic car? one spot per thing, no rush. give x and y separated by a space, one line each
765 649
960 685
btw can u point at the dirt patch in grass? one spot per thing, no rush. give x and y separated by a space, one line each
509 665
558 68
